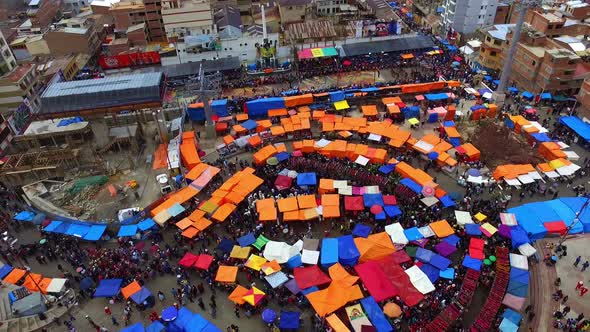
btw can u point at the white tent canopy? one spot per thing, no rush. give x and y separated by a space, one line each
396 232
463 217
527 250
56 285
519 261
280 251
420 280
310 256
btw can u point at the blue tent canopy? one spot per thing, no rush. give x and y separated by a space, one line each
507 326
431 272
53 226
448 273
289 320
520 275
294 261
306 179
578 126
440 10
484 91
392 210
449 123
545 96
95 232
370 89
108 288
513 89
137 327
527 95
518 237
415 187
24 216
259 108
361 230
436 96
440 262
413 234
409 15
372 199
512 315
497 82
517 288
310 290
447 201
472 229
220 107
348 254
529 221
452 239
156 326
141 295
472 263
376 315
336 96
249 124
487 78
541 137
246 240
146 224
424 255
78 230
282 156
329 252
5 270
386 169
183 319
380 216
226 245
196 113
86 283
411 112
127 230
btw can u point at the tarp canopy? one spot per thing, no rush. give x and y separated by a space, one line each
310 276
577 125
348 254
141 295
329 252
376 281
420 280
376 315
306 179
289 320
108 288
385 46
354 203
472 263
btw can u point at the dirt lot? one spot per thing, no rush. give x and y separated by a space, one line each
498 144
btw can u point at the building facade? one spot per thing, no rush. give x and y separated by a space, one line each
584 99
490 53
293 11
42 12
129 13
19 85
7 60
75 5
187 18
65 41
466 16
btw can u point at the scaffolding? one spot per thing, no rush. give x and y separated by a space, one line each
24 168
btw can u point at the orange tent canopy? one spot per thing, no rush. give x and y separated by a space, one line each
44 283
241 117
318 114
196 171
277 130
130 289
331 211
336 324
292 215
184 223
223 212
287 204
306 201
237 295
32 280
14 276
326 184
369 110
196 215
277 112
374 247
328 300
228 139
190 232
330 200
452 132
255 140
339 275
202 224
442 228
391 100
226 273
262 204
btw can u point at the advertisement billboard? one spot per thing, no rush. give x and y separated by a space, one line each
128 60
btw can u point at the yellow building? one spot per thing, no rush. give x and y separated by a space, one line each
490 53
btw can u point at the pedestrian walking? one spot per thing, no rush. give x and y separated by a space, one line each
583 291
528 308
579 285
585 266
578 259
237 312
201 304
107 311
161 296
114 320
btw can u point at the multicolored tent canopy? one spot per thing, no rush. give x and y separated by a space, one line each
310 53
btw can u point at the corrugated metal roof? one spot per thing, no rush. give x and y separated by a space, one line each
386 46
101 93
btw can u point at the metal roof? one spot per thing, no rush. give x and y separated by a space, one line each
106 92
390 45
209 66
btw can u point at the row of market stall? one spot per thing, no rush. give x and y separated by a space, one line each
33 282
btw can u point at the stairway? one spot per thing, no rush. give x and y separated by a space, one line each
107 146
28 323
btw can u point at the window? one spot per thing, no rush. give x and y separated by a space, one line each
493 53
568 72
497 42
534 63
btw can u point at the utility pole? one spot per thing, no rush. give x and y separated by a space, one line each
500 94
206 87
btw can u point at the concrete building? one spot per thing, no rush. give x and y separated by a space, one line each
75 6
66 66
42 12
293 11
503 12
187 18
584 99
65 41
490 53
555 23
466 16
19 85
228 21
130 13
328 7
7 60
540 64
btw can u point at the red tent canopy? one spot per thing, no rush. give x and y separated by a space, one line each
556 227
354 203
306 277
389 200
203 262
283 182
188 260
